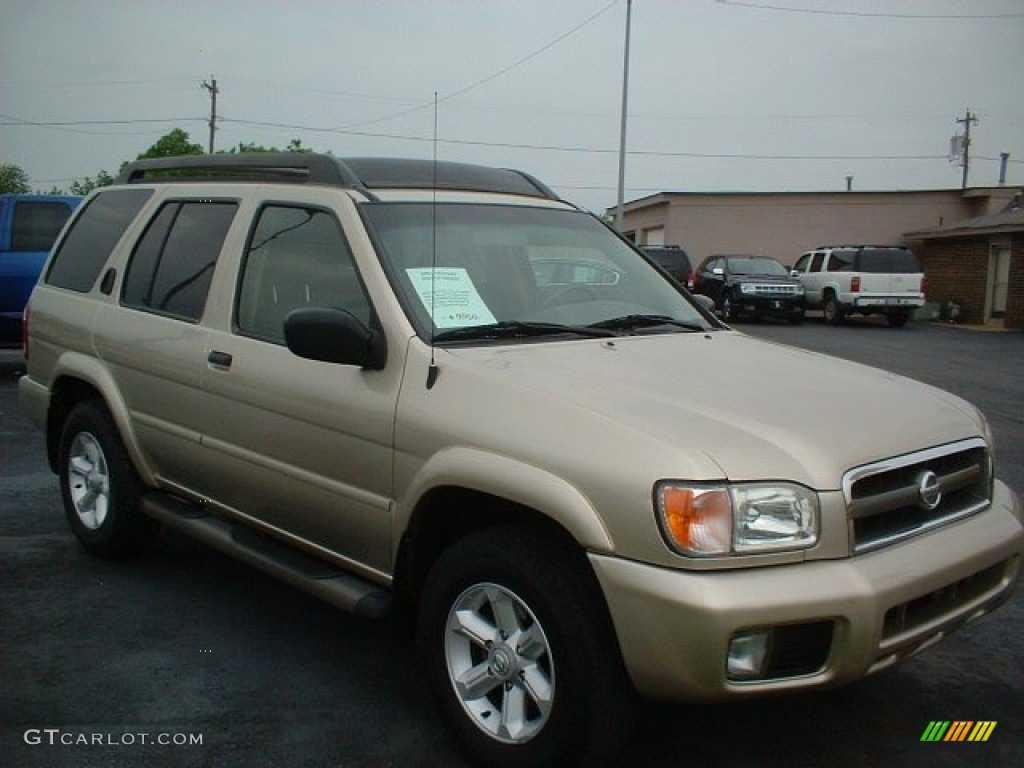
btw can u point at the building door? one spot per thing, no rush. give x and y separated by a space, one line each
998 280
654 236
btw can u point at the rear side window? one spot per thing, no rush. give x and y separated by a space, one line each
840 261
172 265
93 235
889 261
37 224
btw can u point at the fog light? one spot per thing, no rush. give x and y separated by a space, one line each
748 652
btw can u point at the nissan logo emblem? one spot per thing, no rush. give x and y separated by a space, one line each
929 489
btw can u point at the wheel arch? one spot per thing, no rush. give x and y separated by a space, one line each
76 380
473 491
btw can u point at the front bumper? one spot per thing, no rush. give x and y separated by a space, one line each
674 627
789 306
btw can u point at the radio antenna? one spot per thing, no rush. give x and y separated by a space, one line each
432 369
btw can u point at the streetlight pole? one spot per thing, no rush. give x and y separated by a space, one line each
619 210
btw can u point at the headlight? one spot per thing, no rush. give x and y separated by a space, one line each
748 288
800 290
744 518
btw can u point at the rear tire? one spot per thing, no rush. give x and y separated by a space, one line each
521 653
99 485
898 319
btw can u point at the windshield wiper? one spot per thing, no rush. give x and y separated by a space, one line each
517 329
633 322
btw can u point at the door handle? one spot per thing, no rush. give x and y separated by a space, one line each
220 359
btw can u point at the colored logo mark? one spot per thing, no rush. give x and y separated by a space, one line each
959 730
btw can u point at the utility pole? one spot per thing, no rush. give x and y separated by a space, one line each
212 88
619 210
967 120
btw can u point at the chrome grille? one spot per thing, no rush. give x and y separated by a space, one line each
895 499
770 288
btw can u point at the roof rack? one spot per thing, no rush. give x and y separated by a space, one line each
362 173
859 246
295 167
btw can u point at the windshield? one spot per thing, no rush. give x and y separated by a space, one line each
755 265
474 266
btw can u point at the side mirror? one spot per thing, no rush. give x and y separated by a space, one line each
706 302
334 336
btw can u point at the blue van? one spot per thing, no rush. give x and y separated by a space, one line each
29 224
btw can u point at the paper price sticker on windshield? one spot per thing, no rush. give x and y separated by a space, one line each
449 294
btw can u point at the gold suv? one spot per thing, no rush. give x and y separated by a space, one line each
438 392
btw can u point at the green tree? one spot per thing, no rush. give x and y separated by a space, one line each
13 180
87 185
172 144
175 143
248 147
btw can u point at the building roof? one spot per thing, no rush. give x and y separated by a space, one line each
1011 219
666 196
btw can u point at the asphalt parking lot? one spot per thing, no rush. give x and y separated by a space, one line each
101 662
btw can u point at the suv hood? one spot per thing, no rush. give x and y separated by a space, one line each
752 409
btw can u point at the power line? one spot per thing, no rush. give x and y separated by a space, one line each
61 123
91 83
562 148
490 77
869 15
533 55
470 143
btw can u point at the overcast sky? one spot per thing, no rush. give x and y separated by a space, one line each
768 95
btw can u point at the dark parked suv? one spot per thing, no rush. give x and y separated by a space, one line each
751 286
673 260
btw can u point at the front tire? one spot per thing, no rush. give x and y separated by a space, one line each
99 485
832 310
521 653
729 313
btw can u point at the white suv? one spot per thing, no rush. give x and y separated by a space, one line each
869 279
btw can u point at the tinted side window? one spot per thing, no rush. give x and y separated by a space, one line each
888 261
816 261
93 235
297 257
172 265
840 261
801 263
37 224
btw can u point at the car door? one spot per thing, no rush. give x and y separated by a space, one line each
152 338
808 269
300 445
710 282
